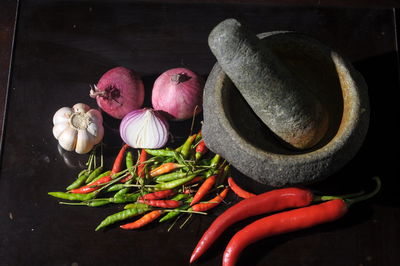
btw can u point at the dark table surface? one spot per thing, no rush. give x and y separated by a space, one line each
61 47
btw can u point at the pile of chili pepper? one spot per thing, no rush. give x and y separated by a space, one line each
303 210
159 184
166 183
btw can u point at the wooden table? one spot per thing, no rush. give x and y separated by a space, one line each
62 47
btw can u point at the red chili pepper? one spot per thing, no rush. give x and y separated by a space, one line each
201 149
141 166
205 206
125 179
271 201
194 180
162 194
238 190
203 189
146 219
164 168
119 159
92 186
161 203
283 222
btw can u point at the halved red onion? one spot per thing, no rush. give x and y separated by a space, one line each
144 128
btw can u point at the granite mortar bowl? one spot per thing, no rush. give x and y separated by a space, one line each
232 129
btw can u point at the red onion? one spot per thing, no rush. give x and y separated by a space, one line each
118 92
144 128
177 92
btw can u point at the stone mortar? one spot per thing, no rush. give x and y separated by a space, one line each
234 131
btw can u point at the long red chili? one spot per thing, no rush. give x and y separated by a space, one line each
280 223
162 194
144 220
92 186
238 190
127 178
119 159
194 180
205 206
203 189
141 166
271 201
161 203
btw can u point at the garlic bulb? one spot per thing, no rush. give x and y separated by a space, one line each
144 128
78 128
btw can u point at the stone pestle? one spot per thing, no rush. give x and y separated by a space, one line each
278 97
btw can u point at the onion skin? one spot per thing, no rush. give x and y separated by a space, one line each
119 91
177 92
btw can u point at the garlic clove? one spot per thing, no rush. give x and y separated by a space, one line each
84 142
62 115
93 129
97 132
67 139
100 135
59 128
95 116
81 108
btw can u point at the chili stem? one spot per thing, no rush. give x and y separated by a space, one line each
344 196
368 195
101 155
349 198
186 211
185 222
173 224
138 185
193 119
71 203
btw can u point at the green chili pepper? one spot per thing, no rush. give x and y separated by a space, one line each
82 177
179 148
215 160
158 159
90 203
96 172
135 205
199 137
213 164
124 189
168 160
129 162
174 183
97 203
174 176
116 187
185 151
73 196
161 152
180 197
125 214
124 198
172 214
